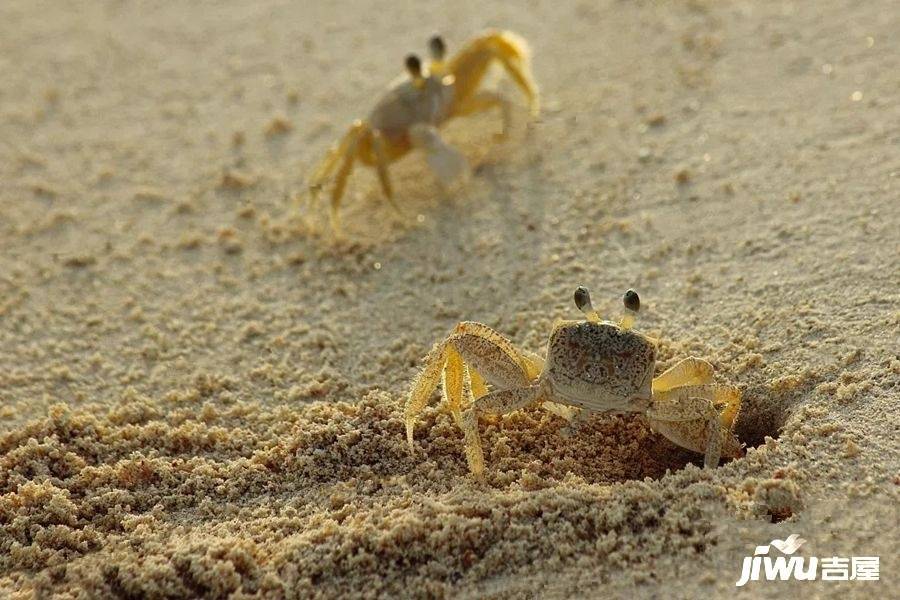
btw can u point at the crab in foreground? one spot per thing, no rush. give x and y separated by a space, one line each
409 113
591 366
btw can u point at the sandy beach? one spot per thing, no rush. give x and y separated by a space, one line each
202 392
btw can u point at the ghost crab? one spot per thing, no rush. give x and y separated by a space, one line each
591 366
409 113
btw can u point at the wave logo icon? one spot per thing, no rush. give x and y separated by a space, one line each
790 545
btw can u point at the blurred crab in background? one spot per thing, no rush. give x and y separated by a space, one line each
591 366
412 109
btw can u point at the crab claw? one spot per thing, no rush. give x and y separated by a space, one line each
448 165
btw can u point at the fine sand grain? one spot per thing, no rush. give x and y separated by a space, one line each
201 394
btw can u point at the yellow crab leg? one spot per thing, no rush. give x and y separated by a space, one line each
381 162
513 53
470 64
469 342
423 385
453 383
689 404
479 331
326 166
483 101
479 386
497 403
729 398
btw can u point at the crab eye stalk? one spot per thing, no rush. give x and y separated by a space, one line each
582 299
632 303
437 48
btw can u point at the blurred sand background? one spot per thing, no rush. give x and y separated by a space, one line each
200 394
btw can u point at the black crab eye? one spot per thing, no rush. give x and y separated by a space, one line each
437 47
582 298
414 65
632 300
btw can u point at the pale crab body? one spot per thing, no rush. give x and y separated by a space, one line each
408 103
592 366
599 367
407 116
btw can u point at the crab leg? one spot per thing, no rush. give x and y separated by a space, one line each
479 385
535 364
497 403
470 64
381 162
475 349
483 101
453 382
692 403
729 397
455 372
340 182
514 56
444 364
346 149
447 163
423 385
327 165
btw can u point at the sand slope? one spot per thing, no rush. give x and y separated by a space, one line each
200 394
